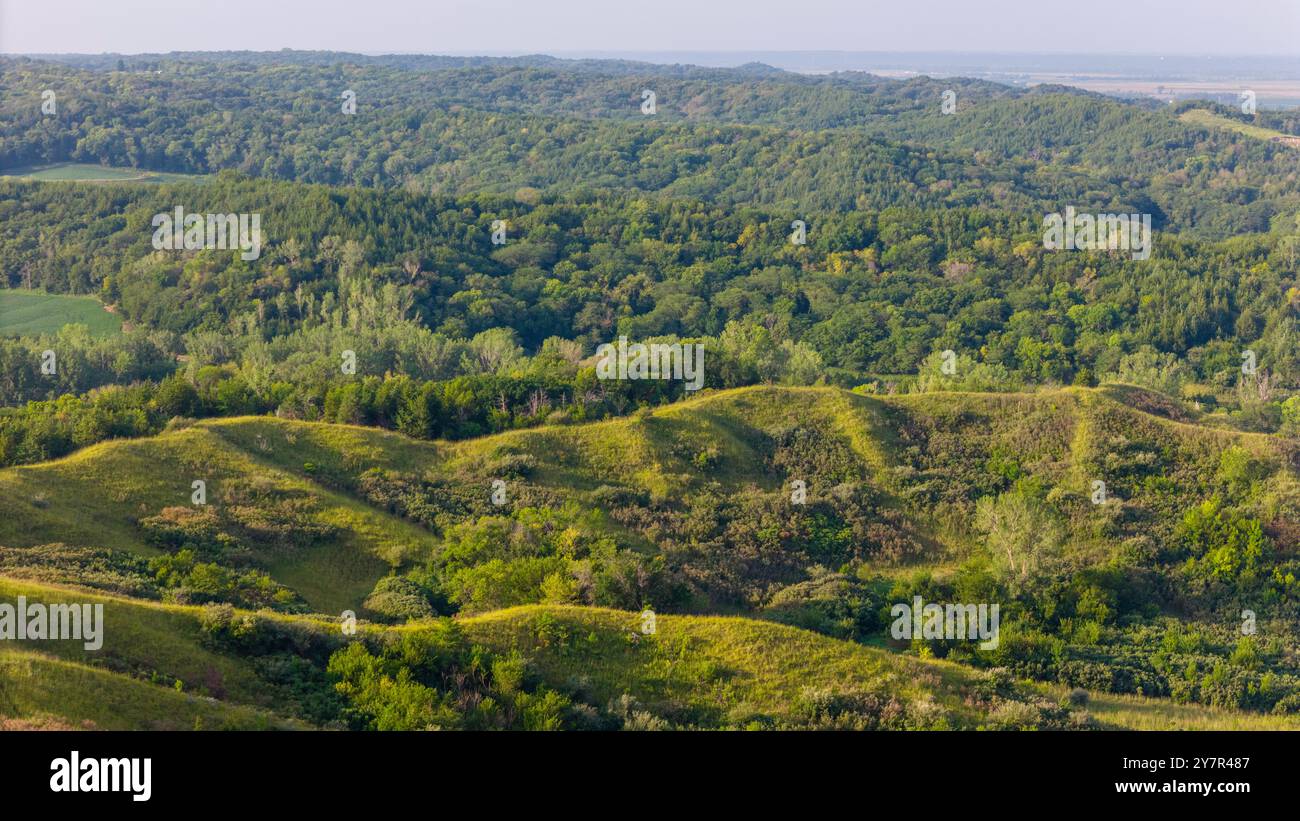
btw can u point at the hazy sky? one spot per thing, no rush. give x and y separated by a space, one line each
526 26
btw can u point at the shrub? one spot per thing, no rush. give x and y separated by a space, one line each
396 598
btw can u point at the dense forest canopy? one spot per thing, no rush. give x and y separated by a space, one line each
839 142
923 228
415 283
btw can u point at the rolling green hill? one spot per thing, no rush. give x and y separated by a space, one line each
711 671
916 452
916 494
152 671
757 674
695 671
97 497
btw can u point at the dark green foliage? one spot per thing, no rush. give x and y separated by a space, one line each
434 678
398 599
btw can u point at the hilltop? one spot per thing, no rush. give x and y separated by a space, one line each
691 508
169 666
911 451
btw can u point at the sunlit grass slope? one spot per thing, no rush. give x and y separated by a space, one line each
740 670
131 681
96 497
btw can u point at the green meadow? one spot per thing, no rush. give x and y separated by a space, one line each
30 313
88 172
75 525
1199 116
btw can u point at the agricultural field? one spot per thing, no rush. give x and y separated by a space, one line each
32 313
86 172
1200 116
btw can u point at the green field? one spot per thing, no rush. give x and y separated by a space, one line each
1200 116
88 172
28 313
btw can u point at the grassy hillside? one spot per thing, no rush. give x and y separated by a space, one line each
688 509
1200 116
159 643
697 670
98 496
654 450
154 670
694 671
729 671
35 688
759 675
917 452
1122 712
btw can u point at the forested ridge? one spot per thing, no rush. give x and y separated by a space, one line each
837 142
414 284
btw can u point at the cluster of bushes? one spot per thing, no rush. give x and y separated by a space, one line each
113 571
213 550
551 555
186 580
289 657
430 677
431 503
435 678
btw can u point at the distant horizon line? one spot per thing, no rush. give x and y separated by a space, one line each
588 53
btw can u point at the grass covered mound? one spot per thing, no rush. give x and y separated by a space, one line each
137 497
532 667
569 667
731 672
1122 539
